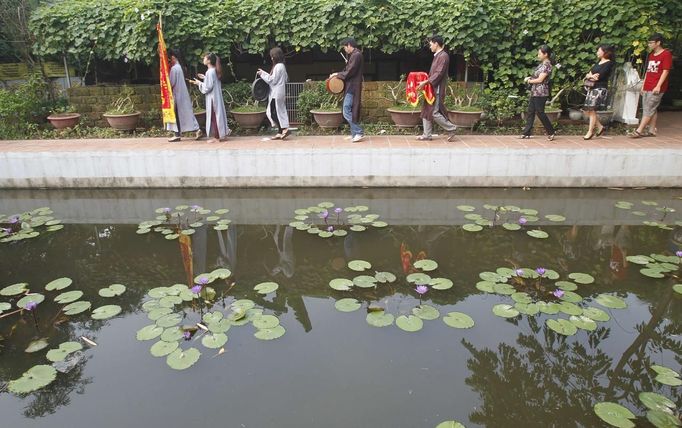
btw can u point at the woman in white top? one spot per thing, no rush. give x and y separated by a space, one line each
216 116
277 79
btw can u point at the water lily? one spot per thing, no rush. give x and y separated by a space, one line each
558 293
338 210
523 220
166 210
519 272
324 214
203 280
421 289
30 306
678 253
541 271
196 289
330 229
187 335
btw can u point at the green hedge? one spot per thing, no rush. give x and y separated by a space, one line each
498 35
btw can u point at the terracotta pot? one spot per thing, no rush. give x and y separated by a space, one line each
328 119
123 122
405 118
201 118
464 119
64 120
250 120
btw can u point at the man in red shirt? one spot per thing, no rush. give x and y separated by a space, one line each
659 63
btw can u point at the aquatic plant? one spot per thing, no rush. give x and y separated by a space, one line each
304 220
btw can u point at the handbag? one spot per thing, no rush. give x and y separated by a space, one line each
588 83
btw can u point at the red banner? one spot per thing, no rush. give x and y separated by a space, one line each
413 80
167 104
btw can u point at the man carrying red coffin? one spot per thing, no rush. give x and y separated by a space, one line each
438 78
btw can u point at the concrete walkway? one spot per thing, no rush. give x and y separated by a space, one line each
323 161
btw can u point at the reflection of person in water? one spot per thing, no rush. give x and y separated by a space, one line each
227 246
617 240
285 249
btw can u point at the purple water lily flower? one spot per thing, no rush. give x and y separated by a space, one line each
541 271
519 272
203 280
523 220
421 289
330 229
187 335
324 214
30 306
678 253
166 210
196 289
558 293
338 210
14 220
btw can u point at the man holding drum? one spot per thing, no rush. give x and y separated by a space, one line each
352 77
438 79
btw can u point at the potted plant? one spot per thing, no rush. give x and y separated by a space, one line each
121 114
328 114
64 117
402 114
198 105
462 105
248 113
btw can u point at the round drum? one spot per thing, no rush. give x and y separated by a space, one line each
335 85
260 89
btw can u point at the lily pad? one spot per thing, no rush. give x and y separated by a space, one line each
521 298
214 341
570 308
172 334
409 323
505 311
511 226
341 284
536 233
112 290
572 297
64 349
347 305
651 273
596 314
162 349
222 325
426 312
662 419
181 360
221 273
426 265
486 286
450 424
677 288
105 312
265 321
58 284
266 287
555 217
169 320
471 227
379 319
609 301
76 308
364 281
640 260
656 401
566 285
583 322
149 332
385 277
33 379
562 326
530 309
359 265
504 289
244 304
270 333
36 345
14 289
69 296
614 414
458 320
581 278
30 298
466 208
358 228
668 380
440 283
418 278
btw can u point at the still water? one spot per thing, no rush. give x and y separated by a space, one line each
332 368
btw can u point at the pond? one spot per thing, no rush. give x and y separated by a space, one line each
406 308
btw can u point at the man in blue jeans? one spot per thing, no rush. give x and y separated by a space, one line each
352 77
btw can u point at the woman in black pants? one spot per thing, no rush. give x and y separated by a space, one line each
539 93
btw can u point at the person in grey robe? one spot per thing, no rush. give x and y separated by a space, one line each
185 121
216 115
277 79
438 78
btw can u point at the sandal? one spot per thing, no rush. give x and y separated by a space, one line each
588 136
277 137
635 134
651 134
424 138
600 132
551 137
285 134
524 137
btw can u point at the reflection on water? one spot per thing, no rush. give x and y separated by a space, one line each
332 368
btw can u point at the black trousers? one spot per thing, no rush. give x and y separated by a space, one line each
273 114
177 122
536 105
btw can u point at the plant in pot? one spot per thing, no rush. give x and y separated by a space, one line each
328 113
198 107
402 114
248 113
121 114
64 117
463 105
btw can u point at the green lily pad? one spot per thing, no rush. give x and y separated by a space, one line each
341 284
651 273
612 302
596 314
511 226
549 308
536 233
270 333
364 281
149 332
33 379
614 414
668 380
677 288
466 208
214 341
450 424
347 305
566 285
486 286
76 308
68 297
112 290
14 289
379 224
142 231
662 419
64 349
105 312
505 311
30 298
221 273
36 345
426 312
562 326
410 323
625 205
530 309
358 228
379 319
385 277
265 321
244 304
359 265
440 283
458 320
162 349
58 284
156 314
664 371
4 306
521 298
169 320
581 278
492 277
571 297
221 227
266 287
640 260
570 308
583 322
656 401
471 227
504 289
426 265
172 334
555 217
418 278
223 325
181 360
210 317
473 216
